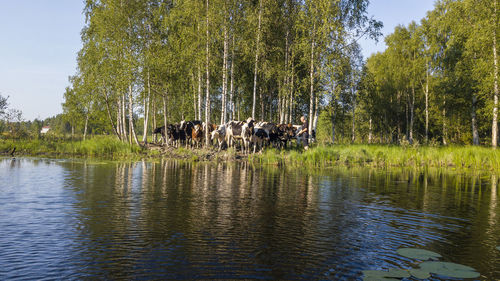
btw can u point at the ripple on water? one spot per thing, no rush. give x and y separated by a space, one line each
168 220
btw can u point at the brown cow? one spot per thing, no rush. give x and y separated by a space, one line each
197 135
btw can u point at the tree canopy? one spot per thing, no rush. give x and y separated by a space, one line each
147 63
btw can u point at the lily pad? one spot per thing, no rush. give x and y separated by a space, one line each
449 269
376 275
375 278
385 275
419 254
398 273
420 273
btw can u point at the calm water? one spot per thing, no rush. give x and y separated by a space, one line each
167 220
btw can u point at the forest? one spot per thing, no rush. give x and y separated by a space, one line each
147 63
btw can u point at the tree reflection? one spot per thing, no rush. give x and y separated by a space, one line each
178 220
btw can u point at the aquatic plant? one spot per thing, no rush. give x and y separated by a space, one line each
419 254
385 275
449 269
420 273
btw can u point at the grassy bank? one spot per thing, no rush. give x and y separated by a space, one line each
97 147
459 157
109 147
382 156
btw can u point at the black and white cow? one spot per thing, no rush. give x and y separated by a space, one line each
259 138
233 132
161 131
247 133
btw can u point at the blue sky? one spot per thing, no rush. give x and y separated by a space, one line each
40 40
393 13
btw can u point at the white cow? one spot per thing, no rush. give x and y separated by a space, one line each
219 134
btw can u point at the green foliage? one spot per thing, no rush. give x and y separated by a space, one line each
3 105
436 78
147 59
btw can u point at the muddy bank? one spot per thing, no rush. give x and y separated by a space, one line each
195 154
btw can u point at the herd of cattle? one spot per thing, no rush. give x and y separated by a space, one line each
244 134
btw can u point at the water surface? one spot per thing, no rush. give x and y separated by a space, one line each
63 219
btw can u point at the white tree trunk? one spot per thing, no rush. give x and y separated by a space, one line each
311 97
261 99
146 112
118 119
353 129
291 99
153 104
494 126
164 98
256 62
316 116
286 85
332 119
207 97
199 94
131 115
475 134
231 88
370 135
445 134
412 109
195 108
427 104
224 78
286 108
124 119
110 118
86 123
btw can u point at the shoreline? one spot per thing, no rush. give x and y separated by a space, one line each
318 156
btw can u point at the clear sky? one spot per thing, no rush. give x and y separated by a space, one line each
393 13
40 40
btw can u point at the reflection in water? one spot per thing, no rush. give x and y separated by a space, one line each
174 220
493 201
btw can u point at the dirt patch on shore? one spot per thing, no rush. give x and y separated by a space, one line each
196 154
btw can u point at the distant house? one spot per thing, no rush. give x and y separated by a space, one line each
45 129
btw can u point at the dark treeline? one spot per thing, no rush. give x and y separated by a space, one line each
146 63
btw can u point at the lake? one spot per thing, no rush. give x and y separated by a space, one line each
77 219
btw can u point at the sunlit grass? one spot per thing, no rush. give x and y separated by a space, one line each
460 157
99 146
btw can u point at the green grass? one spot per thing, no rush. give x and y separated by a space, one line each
380 156
99 146
458 157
